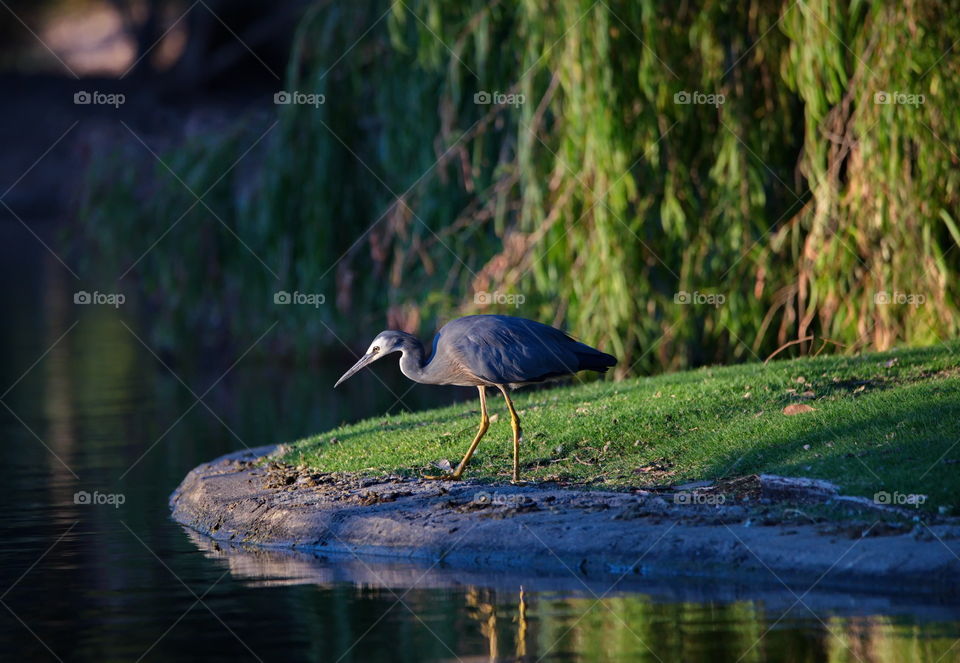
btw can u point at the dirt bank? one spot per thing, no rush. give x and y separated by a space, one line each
744 529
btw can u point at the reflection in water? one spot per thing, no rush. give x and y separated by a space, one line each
555 618
58 404
91 582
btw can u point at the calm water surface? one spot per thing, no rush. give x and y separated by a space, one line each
87 408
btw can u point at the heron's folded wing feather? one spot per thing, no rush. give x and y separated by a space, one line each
517 353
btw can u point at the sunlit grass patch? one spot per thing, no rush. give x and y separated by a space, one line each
879 422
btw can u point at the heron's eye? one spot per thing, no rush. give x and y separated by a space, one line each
375 349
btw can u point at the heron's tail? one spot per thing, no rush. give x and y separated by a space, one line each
592 359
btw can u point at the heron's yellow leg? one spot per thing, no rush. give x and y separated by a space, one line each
515 424
484 425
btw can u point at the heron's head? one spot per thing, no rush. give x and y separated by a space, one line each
386 342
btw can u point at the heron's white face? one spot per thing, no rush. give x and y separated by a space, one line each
386 342
377 347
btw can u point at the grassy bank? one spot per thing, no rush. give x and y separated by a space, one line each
880 422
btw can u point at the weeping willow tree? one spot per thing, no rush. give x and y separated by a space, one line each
680 183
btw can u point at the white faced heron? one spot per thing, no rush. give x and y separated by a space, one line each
488 351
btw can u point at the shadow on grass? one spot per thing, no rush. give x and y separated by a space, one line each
896 440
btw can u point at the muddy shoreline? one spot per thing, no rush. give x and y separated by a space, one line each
547 529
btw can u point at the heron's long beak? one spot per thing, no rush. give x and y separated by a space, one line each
364 360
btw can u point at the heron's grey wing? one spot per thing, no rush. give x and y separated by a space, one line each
513 350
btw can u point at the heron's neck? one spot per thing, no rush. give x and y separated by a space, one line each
412 359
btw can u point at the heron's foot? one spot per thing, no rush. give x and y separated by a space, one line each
453 476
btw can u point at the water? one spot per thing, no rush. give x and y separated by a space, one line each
122 582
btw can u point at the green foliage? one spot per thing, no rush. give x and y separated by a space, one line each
809 207
880 422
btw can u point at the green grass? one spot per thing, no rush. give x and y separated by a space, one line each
886 421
